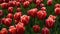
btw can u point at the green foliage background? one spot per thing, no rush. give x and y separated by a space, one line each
33 21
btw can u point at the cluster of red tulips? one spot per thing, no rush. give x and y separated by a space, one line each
21 20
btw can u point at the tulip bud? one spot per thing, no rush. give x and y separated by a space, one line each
57 11
26 4
36 28
32 12
20 29
41 14
43 8
4 31
17 15
50 23
4 5
11 3
7 21
49 2
42 5
30 1
10 9
12 30
21 24
38 2
45 30
17 4
14 3
53 17
18 9
10 15
57 5
25 19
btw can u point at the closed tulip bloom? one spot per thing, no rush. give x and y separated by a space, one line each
50 23
12 30
17 4
32 12
49 2
17 15
36 28
25 19
7 21
45 30
10 9
57 11
10 15
43 8
4 5
18 9
41 14
4 31
20 29
26 4
57 5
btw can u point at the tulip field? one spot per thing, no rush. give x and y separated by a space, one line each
29 16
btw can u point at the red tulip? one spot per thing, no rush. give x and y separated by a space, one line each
7 21
1 13
14 3
57 5
49 2
6 1
18 4
43 8
50 23
57 11
10 9
17 15
42 5
4 5
16 21
3 19
30 1
36 28
26 4
25 19
53 17
18 9
21 24
32 12
4 31
12 30
42 0
20 29
18 0
22 1
10 15
1 1
0 33
10 3
38 2
41 14
45 30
